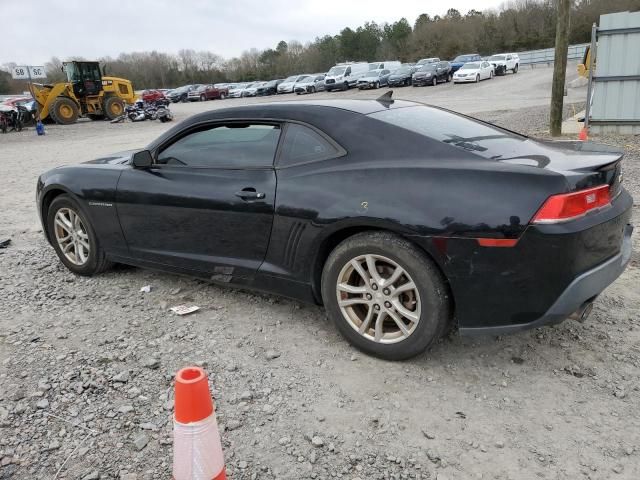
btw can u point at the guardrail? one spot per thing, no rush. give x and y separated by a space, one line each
546 55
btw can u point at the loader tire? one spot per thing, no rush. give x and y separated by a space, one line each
113 107
64 111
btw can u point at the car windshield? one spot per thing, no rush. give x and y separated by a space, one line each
291 79
470 66
464 58
428 68
374 66
306 79
497 57
483 139
336 70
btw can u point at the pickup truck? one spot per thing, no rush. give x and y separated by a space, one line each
208 92
503 62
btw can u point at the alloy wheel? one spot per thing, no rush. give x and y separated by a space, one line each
72 236
378 298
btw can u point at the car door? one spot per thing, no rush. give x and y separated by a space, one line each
384 77
206 203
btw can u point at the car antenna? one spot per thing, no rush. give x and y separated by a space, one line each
385 99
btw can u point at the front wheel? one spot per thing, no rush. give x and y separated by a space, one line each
73 237
385 296
222 96
477 78
515 69
203 98
113 107
434 82
449 78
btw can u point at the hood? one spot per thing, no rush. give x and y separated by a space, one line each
119 158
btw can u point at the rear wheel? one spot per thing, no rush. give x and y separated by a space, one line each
384 295
449 77
64 111
73 237
113 107
376 85
477 78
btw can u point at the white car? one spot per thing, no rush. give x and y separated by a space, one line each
473 72
235 90
503 62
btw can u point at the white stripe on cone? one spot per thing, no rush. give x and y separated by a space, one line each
197 451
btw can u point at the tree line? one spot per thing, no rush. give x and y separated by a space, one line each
517 26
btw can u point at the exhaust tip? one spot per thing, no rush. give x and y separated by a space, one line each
583 312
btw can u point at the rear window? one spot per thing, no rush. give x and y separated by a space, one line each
485 140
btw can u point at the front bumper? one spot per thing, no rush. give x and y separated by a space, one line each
422 81
471 79
398 83
583 289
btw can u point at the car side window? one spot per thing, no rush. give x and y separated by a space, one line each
303 144
233 145
347 72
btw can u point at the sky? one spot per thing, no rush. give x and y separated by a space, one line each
36 30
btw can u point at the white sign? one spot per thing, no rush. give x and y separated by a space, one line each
22 72
37 72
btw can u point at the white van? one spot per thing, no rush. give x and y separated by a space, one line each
386 65
345 75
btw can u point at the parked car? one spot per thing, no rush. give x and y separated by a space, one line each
401 77
311 84
289 83
462 59
269 88
181 94
431 74
345 75
251 89
467 217
473 72
235 91
374 79
208 92
504 62
386 65
428 60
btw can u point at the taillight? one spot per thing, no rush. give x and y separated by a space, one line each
567 206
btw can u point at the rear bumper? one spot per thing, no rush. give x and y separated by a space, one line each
582 289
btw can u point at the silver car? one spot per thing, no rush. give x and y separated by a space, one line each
311 84
374 79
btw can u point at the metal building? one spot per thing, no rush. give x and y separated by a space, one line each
614 80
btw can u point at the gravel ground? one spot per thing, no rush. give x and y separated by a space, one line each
86 367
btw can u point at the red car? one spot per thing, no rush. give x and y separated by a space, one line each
208 92
152 96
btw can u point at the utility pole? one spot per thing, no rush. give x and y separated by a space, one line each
560 66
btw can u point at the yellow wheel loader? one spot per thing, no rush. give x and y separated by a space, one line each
86 93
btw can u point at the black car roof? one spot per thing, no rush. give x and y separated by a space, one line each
364 107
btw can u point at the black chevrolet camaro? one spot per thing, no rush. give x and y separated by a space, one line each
400 218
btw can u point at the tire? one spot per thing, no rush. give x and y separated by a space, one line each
222 96
113 107
490 75
515 69
434 82
96 260
312 89
64 111
449 77
478 78
203 98
429 296
345 87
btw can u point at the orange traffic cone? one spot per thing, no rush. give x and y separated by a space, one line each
583 135
197 451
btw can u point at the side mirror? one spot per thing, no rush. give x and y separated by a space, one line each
142 159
